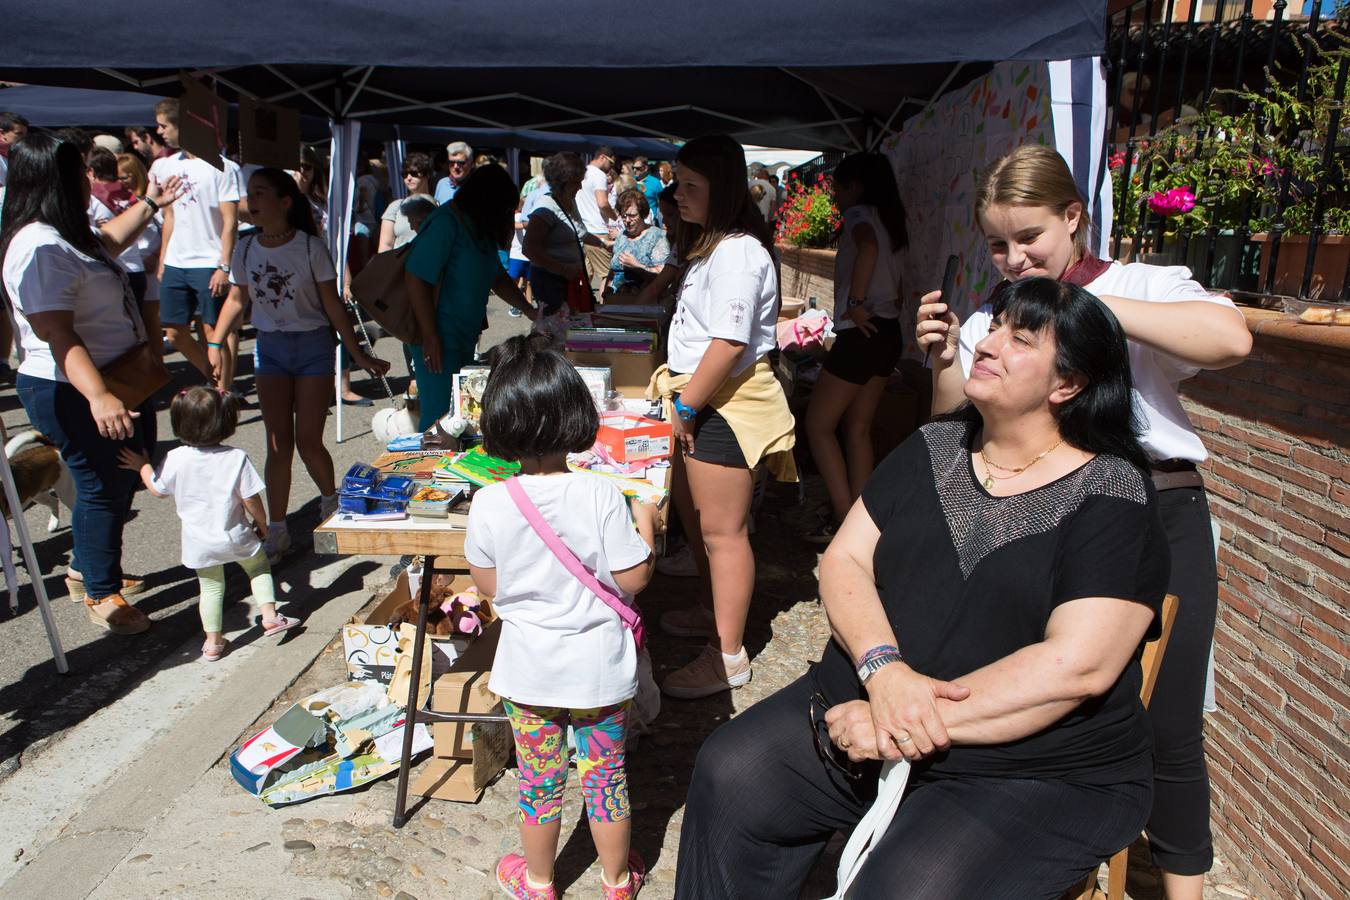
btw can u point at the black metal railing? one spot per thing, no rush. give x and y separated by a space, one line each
1238 113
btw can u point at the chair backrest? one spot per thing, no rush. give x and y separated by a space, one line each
1150 661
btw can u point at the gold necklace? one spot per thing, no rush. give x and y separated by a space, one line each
989 466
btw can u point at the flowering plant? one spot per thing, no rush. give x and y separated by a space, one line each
808 216
1175 202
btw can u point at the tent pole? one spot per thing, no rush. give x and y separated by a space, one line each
30 559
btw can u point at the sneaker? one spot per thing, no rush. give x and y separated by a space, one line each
278 543
679 564
695 622
513 313
511 878
637 873
327 506
708 674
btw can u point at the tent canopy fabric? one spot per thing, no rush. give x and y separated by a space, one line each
800 74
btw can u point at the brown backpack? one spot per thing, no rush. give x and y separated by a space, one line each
382 293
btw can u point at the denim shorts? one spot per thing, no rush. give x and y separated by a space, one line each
185 294
295 354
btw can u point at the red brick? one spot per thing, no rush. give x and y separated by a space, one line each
1203 420
1250 524
1321 511
1259 485
1271 444
1332 743
1333 640
1338 469
1338 868
1267 556
1299 694
1274 606
1260 730
1239 604
1313 481
1334 689
1331 590
1224 489
1340 493
1334 841
1263 689
1295 524
1317 883
1337 542
1335 418
1317 557
1242 564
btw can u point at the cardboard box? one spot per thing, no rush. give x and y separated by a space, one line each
629 372
464 689
628 438
371 647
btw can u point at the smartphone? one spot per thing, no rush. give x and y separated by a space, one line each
948 292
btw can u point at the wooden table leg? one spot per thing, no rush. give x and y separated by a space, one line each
410 719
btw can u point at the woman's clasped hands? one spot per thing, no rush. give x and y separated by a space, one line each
899 720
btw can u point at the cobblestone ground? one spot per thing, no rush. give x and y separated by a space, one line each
450 849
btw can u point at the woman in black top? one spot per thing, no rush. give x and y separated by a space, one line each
991 589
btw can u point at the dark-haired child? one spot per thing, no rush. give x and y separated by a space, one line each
218 495
565 656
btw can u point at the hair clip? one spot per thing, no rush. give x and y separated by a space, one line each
183 392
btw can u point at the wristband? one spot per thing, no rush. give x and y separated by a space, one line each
154 207
855 302
685 412
877 658
209 344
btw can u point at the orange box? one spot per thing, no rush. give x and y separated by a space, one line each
629 438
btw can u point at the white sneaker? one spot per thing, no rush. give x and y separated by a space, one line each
710 673
679 564
278 543
327 506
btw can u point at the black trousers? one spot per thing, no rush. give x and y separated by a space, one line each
763 803
1178 829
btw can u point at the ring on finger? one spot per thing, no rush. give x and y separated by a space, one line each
904 740
844 743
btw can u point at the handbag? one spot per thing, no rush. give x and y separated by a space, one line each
894 776
134 376
381 291
580 297
631 618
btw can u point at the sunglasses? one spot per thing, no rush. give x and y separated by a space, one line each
458 163
820 731
410 173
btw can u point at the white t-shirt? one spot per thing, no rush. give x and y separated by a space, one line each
589 207
560 644
1167 429
209 486
765 203
98 212
44 273
284 292
730 294
147 245
883 292
197 222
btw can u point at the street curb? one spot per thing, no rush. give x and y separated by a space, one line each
89 846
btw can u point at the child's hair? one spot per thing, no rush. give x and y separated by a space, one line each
874 173
203 416
416 211
536 403
1035 175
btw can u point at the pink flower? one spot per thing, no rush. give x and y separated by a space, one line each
1175 202
1117 159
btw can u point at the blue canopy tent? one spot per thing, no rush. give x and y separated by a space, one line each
838 76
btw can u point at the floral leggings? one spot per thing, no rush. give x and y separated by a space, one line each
541 757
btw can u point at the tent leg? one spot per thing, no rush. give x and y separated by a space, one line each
337 391
34 572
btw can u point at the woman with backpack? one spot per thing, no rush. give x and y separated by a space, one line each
290 277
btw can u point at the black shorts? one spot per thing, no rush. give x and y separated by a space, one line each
714 441
857 358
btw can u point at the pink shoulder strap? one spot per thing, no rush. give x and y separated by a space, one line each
611 598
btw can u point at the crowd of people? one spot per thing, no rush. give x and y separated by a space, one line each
988 586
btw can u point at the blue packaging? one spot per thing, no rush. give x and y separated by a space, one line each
360 479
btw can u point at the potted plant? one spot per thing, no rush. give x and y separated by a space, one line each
808 217
1225 171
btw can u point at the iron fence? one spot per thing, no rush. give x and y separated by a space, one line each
1229 150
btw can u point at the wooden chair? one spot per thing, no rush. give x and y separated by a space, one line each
1149 662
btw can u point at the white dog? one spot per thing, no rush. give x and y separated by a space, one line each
40 476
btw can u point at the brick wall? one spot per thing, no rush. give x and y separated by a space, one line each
1277 428
808 273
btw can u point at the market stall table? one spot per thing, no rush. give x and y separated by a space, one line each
434 540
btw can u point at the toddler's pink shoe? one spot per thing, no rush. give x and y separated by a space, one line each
512 879
637 873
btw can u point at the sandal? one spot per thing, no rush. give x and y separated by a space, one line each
75 587
122 618
211 652
278 625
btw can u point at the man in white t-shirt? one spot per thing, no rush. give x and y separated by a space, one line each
767 196
598 216
199 238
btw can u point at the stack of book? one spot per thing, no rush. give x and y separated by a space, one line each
611 340
475 467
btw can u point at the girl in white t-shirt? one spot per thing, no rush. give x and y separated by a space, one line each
219 498
289 275
729 412
1036 224
565 656
867 328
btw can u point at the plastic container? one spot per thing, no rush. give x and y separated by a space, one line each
1310 312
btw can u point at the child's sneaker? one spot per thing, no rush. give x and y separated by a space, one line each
637 873
514 882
